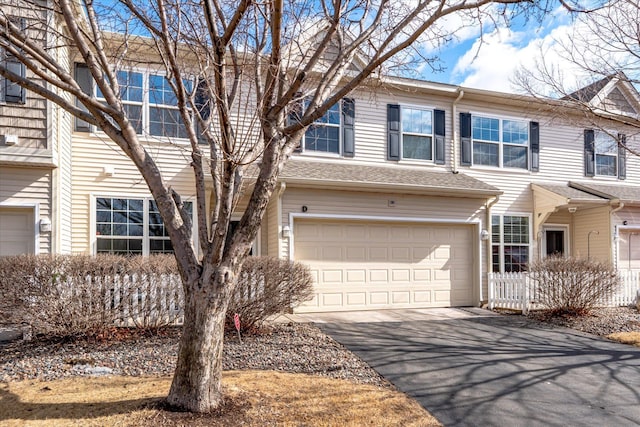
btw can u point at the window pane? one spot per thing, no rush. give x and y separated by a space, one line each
495 229
516 229
495 259
134 114
166 122
416 147
104 246
322 138
103 230
515 132
514 157
606 165
605 144
516 258
485 154
485 128
417 121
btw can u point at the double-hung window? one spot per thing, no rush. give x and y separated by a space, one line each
417 133
606 152
164 117
509 243
131 226
148 100
324 134
131 85
500 142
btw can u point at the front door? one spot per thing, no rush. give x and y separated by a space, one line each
554 242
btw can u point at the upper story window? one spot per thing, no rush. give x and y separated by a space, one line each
132 94
604 154
324 134
500 142
164 117
11 92
333 133
417 133
131 226
509 243
148 100
606 151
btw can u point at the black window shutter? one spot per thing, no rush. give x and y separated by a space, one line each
439 126
84 80
348 120
622 156
589 153
14 93
294 116
466 149
393 132
534 145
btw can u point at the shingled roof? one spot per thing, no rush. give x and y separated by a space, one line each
384 178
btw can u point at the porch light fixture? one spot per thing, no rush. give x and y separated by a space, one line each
484 235
573 209
286 231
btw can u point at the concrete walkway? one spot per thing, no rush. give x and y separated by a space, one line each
473 368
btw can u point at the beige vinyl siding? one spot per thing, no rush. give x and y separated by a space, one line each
28 186
596 219
369 204
92 153
272 227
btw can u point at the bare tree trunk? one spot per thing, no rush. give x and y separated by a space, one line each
196 385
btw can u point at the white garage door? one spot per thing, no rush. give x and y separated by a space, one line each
17 234
359 265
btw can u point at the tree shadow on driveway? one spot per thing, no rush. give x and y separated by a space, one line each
502 370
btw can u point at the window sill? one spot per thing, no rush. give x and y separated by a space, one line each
415 162
311 153
499 169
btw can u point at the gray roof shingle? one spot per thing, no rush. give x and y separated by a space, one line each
399 178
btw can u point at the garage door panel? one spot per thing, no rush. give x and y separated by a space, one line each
381 265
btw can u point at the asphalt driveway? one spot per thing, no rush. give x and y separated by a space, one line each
501 370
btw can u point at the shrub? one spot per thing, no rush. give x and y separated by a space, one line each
268 286
573 285
67 295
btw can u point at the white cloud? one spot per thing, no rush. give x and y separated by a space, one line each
492 63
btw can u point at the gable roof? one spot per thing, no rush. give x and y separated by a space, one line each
613 93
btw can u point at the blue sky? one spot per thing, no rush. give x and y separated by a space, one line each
492 64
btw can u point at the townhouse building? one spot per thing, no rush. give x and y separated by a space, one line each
402 196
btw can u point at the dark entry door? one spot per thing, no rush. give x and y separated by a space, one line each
555 242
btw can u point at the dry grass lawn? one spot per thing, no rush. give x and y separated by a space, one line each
632 338
254 398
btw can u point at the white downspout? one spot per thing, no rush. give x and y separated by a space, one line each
454 132
488 257
614 246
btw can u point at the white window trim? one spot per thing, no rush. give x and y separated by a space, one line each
501 143
93 239
501 244
432 134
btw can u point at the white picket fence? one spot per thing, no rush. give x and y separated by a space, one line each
517 291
